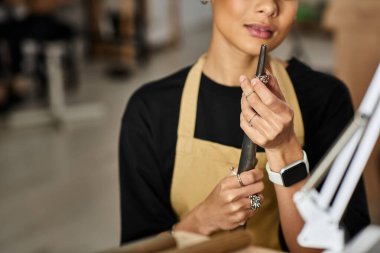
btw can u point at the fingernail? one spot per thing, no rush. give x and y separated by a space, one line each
242 78
254 81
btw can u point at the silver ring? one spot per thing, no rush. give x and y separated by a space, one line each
239 179
264 79
248 94
232 171
249 121
255 202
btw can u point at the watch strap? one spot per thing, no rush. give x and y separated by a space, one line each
276 177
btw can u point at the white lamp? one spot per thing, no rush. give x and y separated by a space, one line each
345 163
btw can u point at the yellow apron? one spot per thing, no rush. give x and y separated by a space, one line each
200 164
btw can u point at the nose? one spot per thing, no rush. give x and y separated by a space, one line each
267 7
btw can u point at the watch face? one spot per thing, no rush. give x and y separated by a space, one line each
294 174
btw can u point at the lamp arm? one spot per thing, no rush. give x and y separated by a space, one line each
345 163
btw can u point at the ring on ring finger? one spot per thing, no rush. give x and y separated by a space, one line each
255 201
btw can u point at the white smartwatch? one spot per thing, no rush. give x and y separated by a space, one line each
291 174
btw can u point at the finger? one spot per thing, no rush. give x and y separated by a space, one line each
254 134
239 218
254 102
268 121
230 197
274 87
276 104
247 178
264 93
249 190
257 135
251 176
245 86
266 128
248 112
230 183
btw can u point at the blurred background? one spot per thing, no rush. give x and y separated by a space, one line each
67 70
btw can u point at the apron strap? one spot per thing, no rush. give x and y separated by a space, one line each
189 100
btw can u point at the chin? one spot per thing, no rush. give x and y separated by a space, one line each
253 48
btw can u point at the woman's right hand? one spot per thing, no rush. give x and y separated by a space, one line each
227 206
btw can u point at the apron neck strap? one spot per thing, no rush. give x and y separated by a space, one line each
188 109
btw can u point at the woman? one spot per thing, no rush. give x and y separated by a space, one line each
180 135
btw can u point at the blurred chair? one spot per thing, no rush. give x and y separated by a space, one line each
112 30
42 48
34 20
58 113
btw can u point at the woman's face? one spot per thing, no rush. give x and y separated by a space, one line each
246 24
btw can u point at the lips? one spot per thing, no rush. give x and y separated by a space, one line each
260 31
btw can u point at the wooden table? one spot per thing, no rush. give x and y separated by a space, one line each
184 242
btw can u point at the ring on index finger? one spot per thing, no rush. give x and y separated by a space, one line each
239 180
232 171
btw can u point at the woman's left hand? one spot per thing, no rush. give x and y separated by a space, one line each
266 118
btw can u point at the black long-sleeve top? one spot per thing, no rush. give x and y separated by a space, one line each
149 134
